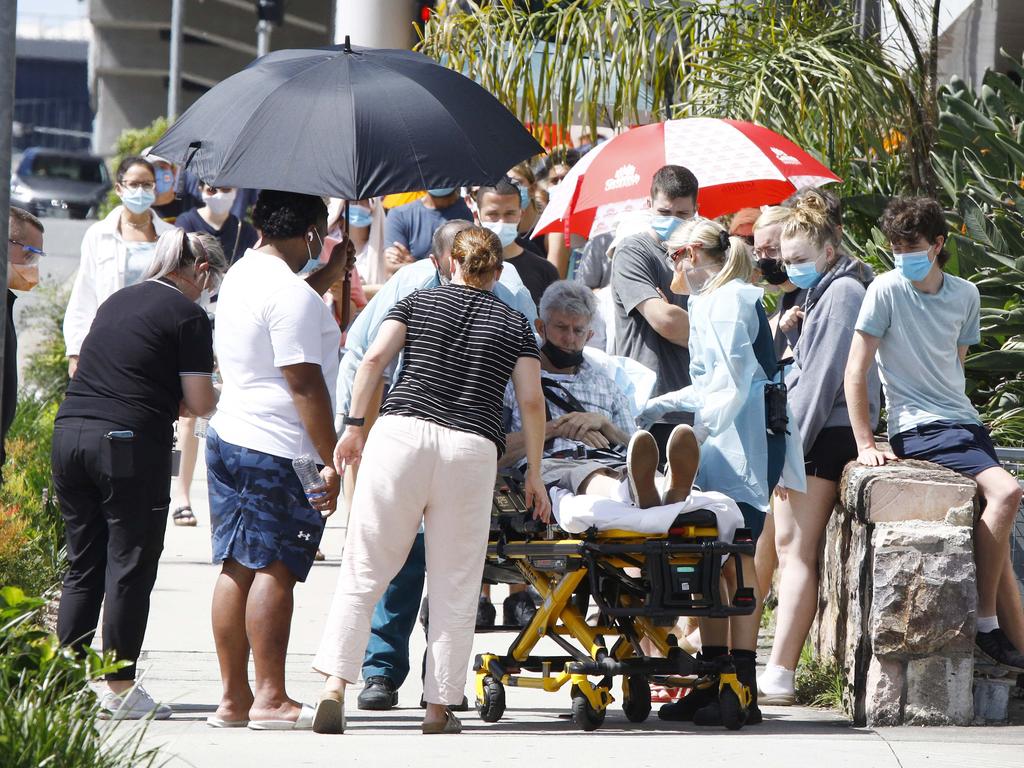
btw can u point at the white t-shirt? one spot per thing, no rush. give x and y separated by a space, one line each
267 318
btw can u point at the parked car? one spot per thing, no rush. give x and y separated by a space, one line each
49 182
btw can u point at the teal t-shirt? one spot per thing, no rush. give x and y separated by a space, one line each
917 356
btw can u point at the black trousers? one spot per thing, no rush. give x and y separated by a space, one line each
114 530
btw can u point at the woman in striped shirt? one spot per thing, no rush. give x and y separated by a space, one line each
432 457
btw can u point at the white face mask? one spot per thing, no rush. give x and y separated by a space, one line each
220 203
505 230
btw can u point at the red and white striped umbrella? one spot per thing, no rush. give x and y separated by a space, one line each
738 165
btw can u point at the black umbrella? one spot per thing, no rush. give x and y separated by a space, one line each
347 121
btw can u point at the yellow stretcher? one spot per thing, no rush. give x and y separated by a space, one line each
640 584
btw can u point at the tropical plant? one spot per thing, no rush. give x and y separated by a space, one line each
48 713
979 165
798 68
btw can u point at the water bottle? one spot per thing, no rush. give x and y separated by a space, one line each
309 476
200 428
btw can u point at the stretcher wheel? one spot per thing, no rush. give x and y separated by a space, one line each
584 715
493 705
637 701
733 714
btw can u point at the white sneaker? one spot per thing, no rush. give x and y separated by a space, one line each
775 687
135 705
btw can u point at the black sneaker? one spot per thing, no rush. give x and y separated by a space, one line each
996 647
378 694
485 613
518 610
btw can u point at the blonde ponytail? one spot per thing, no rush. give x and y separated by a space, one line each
732 253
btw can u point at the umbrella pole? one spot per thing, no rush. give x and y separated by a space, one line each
346 286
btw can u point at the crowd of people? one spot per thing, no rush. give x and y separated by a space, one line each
476 346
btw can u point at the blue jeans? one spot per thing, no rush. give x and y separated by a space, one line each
394 618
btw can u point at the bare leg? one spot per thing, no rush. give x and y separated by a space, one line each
1008 601
743 629
188 444
228 614
268 619
800 523
766 558
602 483
992 533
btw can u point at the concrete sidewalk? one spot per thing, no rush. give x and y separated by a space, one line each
180 668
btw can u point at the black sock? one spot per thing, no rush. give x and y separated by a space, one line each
740 654
709 652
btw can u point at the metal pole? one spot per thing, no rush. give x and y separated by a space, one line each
262 37
8 22
174 87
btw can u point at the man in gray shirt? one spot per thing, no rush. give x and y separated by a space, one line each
651 323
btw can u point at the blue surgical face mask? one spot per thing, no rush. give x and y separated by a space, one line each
440 191
664 226
524 196
506 231
164 181
913 266
359 216
804 275
137 199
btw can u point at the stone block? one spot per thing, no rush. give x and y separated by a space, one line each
992 700
924 599
909 490
884 692
940 691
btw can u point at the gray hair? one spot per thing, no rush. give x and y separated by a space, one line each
568 297
444 236
176 249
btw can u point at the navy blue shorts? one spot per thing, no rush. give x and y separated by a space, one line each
258 510
964 448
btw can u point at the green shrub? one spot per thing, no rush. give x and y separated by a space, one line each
45 376
818 683
48 713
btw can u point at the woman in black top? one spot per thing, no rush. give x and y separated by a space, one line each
148 354
432 457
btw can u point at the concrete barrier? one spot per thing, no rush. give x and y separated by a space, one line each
897 605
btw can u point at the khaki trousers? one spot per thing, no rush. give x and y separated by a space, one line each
413 470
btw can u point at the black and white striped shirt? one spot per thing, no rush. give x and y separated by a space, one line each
461 346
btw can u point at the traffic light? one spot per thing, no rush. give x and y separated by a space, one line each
270 10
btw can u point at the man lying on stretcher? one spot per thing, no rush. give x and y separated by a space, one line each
592 447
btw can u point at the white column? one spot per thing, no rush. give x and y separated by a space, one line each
376 24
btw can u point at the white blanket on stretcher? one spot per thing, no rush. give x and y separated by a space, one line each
576 514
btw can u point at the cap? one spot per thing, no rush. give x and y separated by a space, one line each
147 154
743 220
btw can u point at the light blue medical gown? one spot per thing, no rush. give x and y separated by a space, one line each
727 398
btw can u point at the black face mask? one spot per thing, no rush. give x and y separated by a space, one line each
773 271
559 357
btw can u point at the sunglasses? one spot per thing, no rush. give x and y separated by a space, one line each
32 254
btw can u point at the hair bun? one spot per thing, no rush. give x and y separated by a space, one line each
723 240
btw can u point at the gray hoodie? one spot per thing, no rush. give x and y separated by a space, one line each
815 380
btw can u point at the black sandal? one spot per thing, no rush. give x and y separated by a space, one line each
183 516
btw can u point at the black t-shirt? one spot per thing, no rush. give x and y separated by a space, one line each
461 346
9 401
170 212
143 339
524 242
536 272
233 242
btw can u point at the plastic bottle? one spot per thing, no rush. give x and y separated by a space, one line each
200 428
308 474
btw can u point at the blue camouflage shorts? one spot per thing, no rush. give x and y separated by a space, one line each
258 510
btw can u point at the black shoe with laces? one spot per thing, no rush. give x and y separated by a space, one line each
378 694
518 610
996 647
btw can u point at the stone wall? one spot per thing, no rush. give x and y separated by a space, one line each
897 604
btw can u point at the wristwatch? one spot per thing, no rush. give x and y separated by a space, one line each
348 421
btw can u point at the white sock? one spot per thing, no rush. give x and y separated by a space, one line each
988 623
776 679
